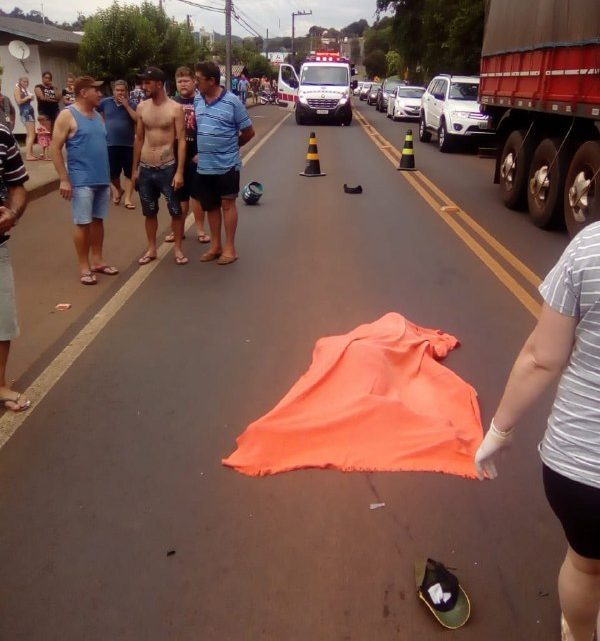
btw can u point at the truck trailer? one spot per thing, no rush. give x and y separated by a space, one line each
540 83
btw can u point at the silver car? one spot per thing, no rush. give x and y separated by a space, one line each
372 95
405 102
363 94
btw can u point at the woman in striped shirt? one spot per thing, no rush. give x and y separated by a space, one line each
565 344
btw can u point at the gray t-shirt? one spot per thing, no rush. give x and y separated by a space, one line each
571 444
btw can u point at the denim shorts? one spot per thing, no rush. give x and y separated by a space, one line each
90 201
27 114
9 328
154 181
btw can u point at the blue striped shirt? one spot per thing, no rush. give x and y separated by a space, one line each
218 126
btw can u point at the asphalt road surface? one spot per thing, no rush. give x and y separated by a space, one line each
119 464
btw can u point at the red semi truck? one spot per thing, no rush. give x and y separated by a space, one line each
540 82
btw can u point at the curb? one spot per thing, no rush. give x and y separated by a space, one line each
43 189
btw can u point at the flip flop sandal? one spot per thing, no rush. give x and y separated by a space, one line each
117 201
19 408
181 260
129 206
208 256
107 270
226 260
88 279
203 238
144 260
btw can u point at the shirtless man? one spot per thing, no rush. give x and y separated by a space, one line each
156 171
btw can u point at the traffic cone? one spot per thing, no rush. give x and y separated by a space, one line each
313 166
407 161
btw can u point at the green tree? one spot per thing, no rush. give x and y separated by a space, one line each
375 63
378 39
395 66
177 45
117 43
259 66
435 36
355 29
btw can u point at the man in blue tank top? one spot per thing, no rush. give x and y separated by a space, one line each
86 179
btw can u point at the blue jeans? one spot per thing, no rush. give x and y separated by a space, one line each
154 181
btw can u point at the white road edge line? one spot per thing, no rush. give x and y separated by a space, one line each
10 422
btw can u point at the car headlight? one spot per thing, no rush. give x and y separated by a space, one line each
343 101
460 114
303 100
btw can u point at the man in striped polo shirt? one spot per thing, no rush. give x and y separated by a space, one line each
13 199
223 127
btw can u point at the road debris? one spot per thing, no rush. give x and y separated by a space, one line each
171 553
376 506
62 307
353 190
449 209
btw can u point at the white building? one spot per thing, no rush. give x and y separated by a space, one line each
50 49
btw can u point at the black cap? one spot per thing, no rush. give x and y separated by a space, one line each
152 73
441 592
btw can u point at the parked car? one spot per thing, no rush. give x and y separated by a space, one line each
449 108
358 87
363 94
389 85
405 102
373 91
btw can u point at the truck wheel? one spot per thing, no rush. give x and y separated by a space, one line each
299 118
514 169
445 142
546 183
582 194
424 134
347 120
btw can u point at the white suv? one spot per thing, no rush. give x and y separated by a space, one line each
450 109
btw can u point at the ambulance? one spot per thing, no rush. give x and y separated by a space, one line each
322 91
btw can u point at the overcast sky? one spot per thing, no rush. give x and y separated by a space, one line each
272 14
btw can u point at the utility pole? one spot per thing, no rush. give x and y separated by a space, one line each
294 14
189 22
160 4
228 45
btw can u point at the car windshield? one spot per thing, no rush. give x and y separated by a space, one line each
324 75
374 88
464 90
410 92
390 85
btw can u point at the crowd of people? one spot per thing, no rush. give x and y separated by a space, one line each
186 149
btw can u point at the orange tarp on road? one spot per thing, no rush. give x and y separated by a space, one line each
376 399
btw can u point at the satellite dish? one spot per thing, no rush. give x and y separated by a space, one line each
18 50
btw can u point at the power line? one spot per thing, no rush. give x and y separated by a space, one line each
249 28
247 18
205 7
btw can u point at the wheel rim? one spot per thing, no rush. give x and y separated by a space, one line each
540 184
507 171
442 135
579 197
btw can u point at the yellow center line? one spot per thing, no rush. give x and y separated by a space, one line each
419 182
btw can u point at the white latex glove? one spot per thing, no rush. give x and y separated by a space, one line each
494 441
